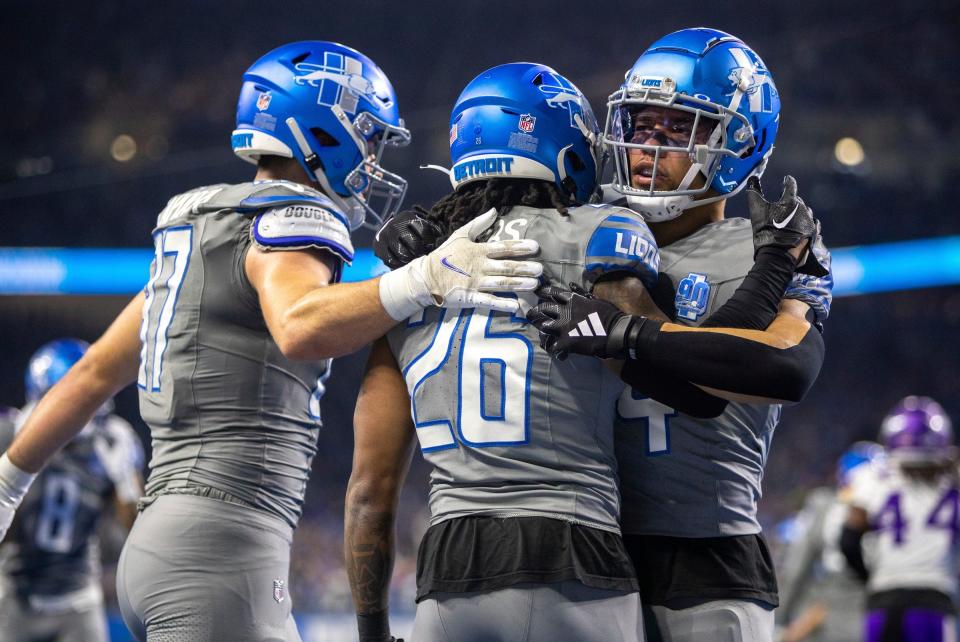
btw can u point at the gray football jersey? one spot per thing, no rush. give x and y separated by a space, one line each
230 416
682 476
509 430
52 548
814 570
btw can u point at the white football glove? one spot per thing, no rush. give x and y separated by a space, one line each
14 484
462 273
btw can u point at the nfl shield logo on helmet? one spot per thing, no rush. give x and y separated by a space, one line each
264 100
527 123
279 590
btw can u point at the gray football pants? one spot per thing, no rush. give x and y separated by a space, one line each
19 623
530 613
716 621
196 569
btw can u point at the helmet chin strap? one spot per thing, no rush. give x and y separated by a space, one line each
352 210
657 209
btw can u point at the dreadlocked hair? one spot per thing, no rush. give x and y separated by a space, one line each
475 198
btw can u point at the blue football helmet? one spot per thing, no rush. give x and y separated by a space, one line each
524 120
49 363
719 81
858 454
335 111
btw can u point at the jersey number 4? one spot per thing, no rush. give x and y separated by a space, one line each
654 417
493 382
171 259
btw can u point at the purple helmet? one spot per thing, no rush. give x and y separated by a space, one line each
918 430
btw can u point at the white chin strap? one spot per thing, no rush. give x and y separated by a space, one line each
657 209
348 206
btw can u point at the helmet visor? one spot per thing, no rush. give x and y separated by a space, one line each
656 126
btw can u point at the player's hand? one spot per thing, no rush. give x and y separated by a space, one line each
787 223
573 321
462 273
404 237
14 484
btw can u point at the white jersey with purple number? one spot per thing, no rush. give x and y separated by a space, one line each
917 524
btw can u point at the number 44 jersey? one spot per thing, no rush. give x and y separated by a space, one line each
510 431
917 526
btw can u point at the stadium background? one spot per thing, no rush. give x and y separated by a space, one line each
114 107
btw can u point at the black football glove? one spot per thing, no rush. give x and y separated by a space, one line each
786 223
406 236
573 321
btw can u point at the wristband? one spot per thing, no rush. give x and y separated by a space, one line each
14 482
399 294
618 335
642 337
373 627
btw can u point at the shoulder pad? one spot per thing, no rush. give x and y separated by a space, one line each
254 197
621 242
188 203
817 292
296 227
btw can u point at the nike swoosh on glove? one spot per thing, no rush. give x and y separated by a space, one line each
573 321
785 224
406 236
462 273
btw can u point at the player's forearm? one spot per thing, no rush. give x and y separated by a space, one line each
63 412
850 546
630 295
369 554
780 363
755 303
108 366
333 321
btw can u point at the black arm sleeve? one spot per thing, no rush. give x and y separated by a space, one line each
728 361
755 303
671 391
853 552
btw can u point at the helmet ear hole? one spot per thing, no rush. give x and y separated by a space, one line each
576 162
301 58
538 80
324 137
